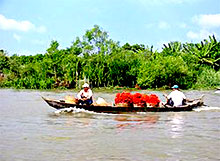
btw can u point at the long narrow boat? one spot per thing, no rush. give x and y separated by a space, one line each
60 104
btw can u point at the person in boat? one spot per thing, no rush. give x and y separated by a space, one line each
176 97
85 95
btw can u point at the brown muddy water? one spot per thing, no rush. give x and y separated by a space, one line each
30 130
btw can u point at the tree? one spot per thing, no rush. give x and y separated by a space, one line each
3 60
134 48
162 71
97 41
76 47
207 52
55 55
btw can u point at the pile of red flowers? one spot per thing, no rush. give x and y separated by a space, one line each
124 98
137 99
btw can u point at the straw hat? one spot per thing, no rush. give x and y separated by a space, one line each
85 85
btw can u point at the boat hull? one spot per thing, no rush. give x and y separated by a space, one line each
60 104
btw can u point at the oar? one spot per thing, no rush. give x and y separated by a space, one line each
200 98
165 95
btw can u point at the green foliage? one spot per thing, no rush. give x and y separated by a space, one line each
3 60
101 61
208 78
173 48
163 71
134 48
207 52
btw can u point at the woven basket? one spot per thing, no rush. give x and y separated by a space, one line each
122 105
139 105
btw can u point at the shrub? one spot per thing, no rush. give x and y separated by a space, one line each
163 71
208 78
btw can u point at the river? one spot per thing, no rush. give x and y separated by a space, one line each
30 130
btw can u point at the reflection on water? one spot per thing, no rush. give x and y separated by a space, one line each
134 120
72 118
56 138
176 125
122 120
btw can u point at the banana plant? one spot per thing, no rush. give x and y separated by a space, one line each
207 52
172 48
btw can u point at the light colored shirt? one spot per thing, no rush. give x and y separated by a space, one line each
84 94
177 97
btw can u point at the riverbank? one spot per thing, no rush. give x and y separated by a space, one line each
116 89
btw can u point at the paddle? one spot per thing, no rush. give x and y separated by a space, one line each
200 98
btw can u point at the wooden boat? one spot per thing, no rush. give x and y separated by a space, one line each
61 104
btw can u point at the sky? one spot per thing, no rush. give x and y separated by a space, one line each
27 27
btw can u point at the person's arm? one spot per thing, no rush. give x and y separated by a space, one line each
165 95
170 95
184 100
184 97
79 95
90 94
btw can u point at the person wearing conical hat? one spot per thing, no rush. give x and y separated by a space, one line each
85 95
176 98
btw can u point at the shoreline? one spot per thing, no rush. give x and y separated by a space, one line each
110 90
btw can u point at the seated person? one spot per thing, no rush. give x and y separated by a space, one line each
85 95
176 98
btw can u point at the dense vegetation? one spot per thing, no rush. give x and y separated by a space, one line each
104 63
